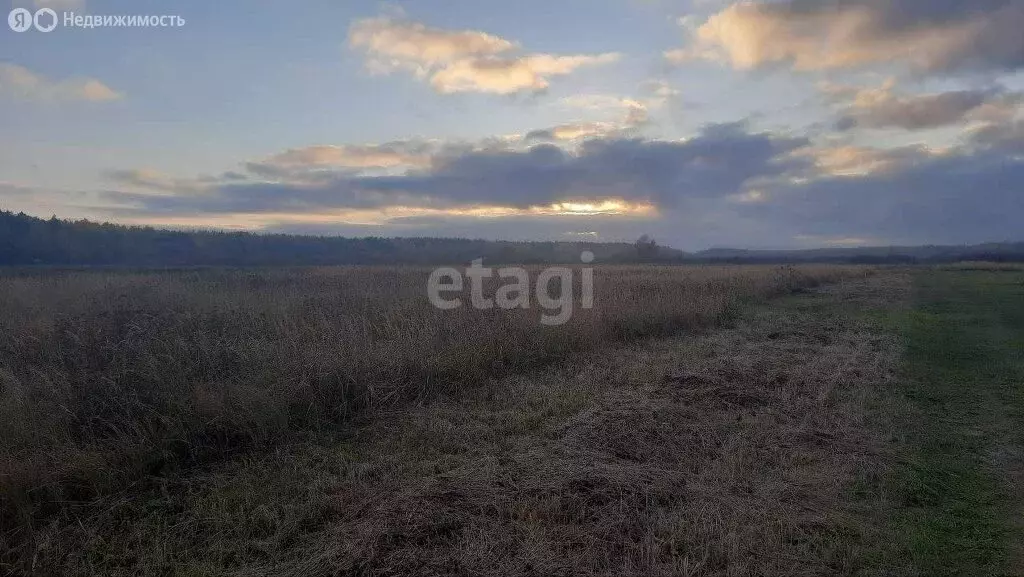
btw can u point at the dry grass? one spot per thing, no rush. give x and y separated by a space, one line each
110 380
732 453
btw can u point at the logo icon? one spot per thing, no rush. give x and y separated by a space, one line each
45 25
20 20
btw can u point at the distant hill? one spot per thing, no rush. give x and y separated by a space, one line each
997 252
27 240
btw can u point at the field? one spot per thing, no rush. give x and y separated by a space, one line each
962 429
749 420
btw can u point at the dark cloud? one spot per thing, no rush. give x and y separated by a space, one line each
547 134
883 109
1008 137
725 187
964 197
158 181
715 163
231 175
918 112
313 162
265 197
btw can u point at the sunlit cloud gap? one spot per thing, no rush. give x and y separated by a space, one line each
392 215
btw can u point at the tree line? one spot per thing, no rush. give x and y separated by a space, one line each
27 240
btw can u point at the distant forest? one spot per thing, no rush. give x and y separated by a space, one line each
27 240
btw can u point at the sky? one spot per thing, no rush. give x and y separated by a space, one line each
703 123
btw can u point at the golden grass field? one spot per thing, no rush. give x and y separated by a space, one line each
111 379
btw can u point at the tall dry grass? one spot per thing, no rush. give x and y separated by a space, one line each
107 378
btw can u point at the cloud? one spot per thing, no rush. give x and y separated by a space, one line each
660 93
881 108
602 102
934 36
851 161
573 131
156 181
966 195
1007 137
399 44
461 60
20 82
530 73
662 172
633 115
633 112
632 171
311 159
725 185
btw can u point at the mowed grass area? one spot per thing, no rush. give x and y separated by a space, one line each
116 383
958 487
